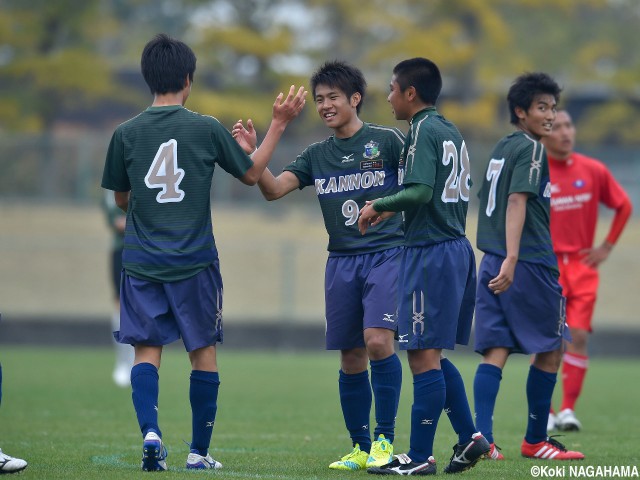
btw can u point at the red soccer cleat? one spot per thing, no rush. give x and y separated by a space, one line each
550 449
494 453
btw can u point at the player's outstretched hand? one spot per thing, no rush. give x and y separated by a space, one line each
287 110
246 137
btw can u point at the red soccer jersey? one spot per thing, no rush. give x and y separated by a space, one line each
578 185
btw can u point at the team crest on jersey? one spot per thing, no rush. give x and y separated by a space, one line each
579 183
371 150
371 164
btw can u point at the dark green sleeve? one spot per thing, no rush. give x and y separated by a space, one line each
411 196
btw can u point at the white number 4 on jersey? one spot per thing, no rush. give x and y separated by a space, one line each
164 173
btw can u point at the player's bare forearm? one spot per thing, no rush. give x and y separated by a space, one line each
514 223
273 188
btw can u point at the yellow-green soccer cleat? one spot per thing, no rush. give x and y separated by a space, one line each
381 452
356 460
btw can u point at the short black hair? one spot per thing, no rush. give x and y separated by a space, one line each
423 75
526 87
341 75
165 64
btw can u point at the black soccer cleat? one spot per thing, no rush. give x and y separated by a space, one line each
465 456
403 465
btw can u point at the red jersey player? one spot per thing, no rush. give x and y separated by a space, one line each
578 185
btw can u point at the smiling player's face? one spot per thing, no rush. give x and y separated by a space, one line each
333 106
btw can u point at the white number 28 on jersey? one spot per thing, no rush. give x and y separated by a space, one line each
457 185
164 173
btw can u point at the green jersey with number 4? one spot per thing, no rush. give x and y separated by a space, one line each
166 157
436 155
518 164
346 173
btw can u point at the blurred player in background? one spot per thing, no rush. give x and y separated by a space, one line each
160 166
116 220
579 184
358 162
519 302
9 464
438 273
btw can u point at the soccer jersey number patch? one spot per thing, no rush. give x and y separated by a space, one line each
457 186
351 211
493 174
164 173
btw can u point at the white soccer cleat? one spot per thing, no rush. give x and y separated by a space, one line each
10 464
567 421
199 462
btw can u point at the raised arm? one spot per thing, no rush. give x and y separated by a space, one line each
283 113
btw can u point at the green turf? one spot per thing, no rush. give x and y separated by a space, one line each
278 416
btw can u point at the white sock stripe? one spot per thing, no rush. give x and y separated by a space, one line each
580 362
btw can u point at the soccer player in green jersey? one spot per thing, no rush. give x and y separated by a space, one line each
438 273
359 162
160 165
116 221
519 302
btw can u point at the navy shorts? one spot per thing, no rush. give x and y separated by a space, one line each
437 295
360 292
528 318
157 314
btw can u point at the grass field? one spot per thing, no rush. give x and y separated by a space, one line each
278 416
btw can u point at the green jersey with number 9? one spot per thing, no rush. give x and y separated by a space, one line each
436 155
166 157
346 173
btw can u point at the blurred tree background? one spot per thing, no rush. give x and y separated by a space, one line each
69 69
76 62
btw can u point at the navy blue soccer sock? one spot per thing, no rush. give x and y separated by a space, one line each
485 391
386 381
540 387
429 393
355 399
145 389
456 403
203 395
0 384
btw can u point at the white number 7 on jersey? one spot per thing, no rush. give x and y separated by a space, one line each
164 173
